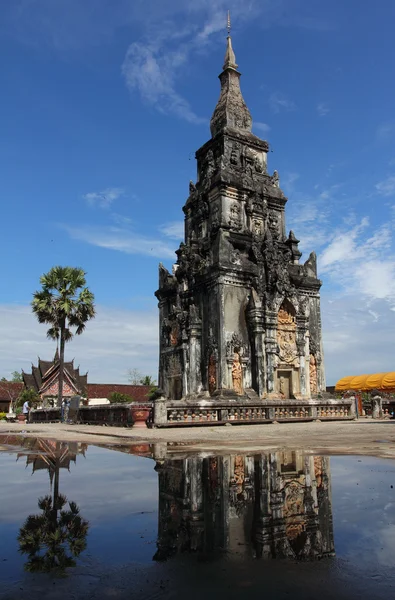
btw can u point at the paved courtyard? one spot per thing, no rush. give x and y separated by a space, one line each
354 437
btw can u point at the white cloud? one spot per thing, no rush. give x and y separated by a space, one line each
152 73
323 109
261 127
385 131
357 334
387 186
174 230
105 198
121 239
115 341
279 102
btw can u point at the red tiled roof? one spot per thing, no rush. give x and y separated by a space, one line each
103 390
10 390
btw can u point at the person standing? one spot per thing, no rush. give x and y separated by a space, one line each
26 410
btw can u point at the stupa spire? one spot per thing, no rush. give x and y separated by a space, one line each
230 58
231 110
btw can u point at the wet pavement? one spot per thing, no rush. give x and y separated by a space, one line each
86 521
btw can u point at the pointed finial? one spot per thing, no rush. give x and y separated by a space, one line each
230 59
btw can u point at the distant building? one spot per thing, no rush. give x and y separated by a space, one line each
9 392
44 379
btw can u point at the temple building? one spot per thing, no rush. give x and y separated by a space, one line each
240 320
275 505
44 379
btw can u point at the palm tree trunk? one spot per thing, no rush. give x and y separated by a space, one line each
61 365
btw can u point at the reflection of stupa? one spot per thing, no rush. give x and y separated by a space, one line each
272 506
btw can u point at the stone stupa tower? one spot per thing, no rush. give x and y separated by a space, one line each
240 324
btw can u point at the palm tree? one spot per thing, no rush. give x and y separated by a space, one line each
64 303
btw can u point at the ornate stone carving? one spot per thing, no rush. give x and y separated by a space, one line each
215 222
237 374
313 375
284 317
174 334
235 154
276 179
212 374
235 257
192 188
286 337
235 345
234 216
174 366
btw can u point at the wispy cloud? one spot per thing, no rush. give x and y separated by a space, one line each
113 342
122 239
174 230
323 109
387 186
261 127
105 198
385 131
279 102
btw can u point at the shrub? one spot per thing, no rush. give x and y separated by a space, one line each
30 396
117 397
2 416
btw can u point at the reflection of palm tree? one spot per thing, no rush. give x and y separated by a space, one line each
52 542
53 539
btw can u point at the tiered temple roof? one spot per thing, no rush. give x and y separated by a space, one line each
46 373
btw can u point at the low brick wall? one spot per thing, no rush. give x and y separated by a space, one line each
105 414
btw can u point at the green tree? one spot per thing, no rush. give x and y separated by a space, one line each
137 378
66 305
28 395
16 377
147 380
116 397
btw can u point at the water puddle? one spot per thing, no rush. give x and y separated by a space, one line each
154 521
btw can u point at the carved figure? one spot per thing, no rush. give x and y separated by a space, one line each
210 164
284 317
174 334
276 179
212 374
313 375
257 227
234 217
237 374
234 155
192 187
235 258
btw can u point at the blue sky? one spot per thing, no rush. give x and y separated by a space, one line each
103 106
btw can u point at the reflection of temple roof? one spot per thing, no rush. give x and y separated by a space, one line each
44 454
364 383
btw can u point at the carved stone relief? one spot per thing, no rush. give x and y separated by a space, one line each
234 216
313 375
237 374
212 374
174 366
286 337
236 345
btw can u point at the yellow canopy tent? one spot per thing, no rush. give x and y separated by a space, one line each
365 383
